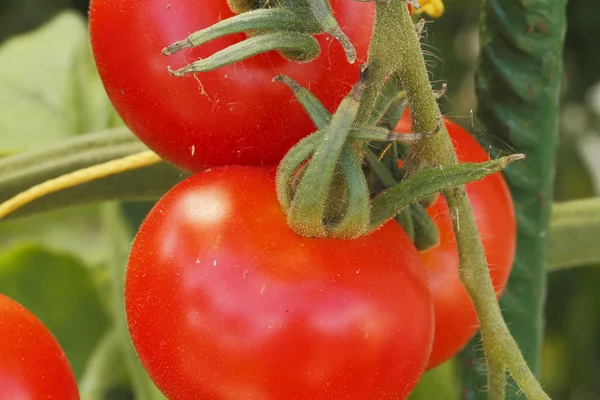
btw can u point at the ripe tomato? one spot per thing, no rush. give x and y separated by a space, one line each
32 364
232 115
225 301
455 318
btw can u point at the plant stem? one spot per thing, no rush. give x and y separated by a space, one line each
79 177
383 60
95 381
437 151
574 233
115 226
496 381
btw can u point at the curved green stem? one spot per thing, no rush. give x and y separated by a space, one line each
437 150
357 215
297 19
303 45
315 109
306 211
288 166
322 12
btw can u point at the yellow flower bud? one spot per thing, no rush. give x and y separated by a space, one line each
433 8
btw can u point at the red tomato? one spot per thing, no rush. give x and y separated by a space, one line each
32 364
225 302
455 318
233 115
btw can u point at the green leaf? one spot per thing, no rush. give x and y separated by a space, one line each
518 83
59 290
49 88
76 231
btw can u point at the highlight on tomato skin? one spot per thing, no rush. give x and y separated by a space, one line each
455 318
32 363
224 301
232 115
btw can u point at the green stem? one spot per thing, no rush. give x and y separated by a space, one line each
120 236
574 233
499 346
24 170
96 380
356 218
496 380
383 60
427 235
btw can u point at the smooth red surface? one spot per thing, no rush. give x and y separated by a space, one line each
224 301
233 115
32 364
455 318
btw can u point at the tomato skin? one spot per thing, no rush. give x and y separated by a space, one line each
455 318
32 363
233 115
224 301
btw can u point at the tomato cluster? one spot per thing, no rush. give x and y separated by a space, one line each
223 299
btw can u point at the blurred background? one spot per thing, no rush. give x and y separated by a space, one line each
571 369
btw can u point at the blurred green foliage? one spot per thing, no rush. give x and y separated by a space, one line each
73 240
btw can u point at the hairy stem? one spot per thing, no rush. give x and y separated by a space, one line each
437 151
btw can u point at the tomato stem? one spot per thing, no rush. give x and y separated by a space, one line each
499 346
496 380
383 60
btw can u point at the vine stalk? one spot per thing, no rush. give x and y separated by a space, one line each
437 151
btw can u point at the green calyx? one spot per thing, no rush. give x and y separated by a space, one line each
285 26
326 152
323 188
303 46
